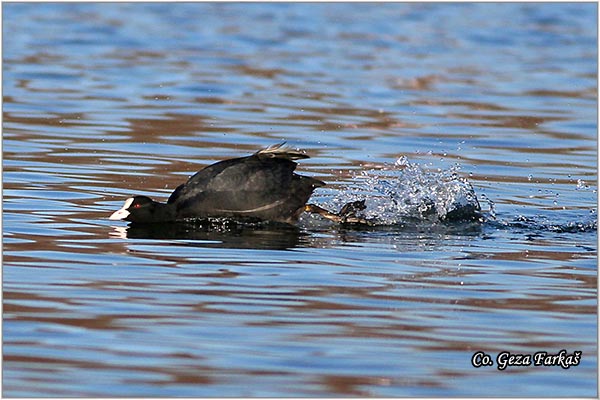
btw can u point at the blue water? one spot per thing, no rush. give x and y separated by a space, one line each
395 103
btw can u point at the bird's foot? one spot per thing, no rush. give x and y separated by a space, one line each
347 214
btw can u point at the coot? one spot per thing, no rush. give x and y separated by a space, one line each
259 187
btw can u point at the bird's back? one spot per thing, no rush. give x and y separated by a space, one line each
261 186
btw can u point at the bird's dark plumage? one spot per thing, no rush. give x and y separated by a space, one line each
262 186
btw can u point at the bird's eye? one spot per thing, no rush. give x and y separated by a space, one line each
137 205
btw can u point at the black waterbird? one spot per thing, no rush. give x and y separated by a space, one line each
259 187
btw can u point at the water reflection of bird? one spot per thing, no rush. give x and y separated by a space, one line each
217 234
259 187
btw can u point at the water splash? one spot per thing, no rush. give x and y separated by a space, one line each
541 224
581 185
405 192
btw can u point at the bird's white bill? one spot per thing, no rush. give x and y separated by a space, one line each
122 213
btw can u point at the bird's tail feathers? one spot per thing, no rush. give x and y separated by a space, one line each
280 150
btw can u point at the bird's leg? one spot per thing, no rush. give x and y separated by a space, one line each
315 209
347 214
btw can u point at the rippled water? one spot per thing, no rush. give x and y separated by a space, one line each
395 103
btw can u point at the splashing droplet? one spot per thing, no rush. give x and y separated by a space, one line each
581 184
406 192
